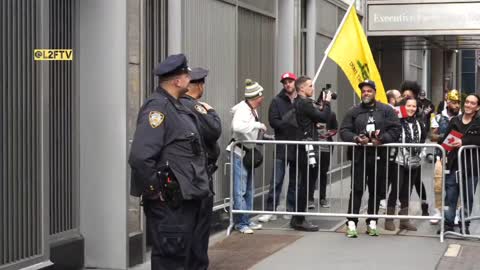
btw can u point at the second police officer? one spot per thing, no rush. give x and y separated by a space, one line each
168 164
210 128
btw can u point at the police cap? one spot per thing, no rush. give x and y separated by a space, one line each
172 65
198 75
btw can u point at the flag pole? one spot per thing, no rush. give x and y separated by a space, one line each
327 51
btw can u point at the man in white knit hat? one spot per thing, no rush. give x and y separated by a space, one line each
245 126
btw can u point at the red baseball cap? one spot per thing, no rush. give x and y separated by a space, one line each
288 75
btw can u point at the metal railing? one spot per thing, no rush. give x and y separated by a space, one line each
371 167
463 189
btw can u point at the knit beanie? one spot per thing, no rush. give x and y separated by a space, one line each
252 89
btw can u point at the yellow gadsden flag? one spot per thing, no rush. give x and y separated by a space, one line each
350 50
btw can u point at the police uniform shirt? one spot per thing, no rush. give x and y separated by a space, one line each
167 132
210 125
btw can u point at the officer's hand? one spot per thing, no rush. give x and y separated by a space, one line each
328 96
208 107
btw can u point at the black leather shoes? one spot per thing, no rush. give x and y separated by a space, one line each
304 226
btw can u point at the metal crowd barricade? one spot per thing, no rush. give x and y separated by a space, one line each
343 186
467 179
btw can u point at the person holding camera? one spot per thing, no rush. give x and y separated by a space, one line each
370 122
307 115
245 126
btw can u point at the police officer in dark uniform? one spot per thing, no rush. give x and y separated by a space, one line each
168 164
210 128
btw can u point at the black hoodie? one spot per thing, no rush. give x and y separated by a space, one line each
471 136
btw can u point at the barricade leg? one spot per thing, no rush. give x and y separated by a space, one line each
469 189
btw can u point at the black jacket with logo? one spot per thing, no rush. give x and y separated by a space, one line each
210 127
175 140
386 120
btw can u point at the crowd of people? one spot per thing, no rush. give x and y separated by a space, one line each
174 155
389 173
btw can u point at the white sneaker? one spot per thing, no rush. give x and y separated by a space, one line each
457 217
255 226
245 230
383 204
437 214
267 218
311 204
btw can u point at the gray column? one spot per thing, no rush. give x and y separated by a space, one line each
102 78
285 56
174 26
311 35
436 66
426 72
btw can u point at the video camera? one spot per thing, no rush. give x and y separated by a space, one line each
325 91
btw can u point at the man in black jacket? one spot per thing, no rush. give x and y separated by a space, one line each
168 162
210 129
307 115
376 123
467 124
278 117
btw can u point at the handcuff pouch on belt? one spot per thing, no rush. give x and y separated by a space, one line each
170 191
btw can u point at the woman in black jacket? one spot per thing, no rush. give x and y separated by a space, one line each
409 161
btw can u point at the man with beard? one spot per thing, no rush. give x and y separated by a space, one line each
368 122
439 124
439 127
278 116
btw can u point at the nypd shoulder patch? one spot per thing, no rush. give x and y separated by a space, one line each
199 108
156 118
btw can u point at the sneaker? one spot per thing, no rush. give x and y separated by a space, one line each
351 230
457 217
311 204
287 217
267 218
372 228
324 203
437 214
244 229
383 204
255 226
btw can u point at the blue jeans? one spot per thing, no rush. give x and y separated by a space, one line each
277 183
242 191
452 189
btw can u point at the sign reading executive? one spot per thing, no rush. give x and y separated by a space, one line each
440 18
